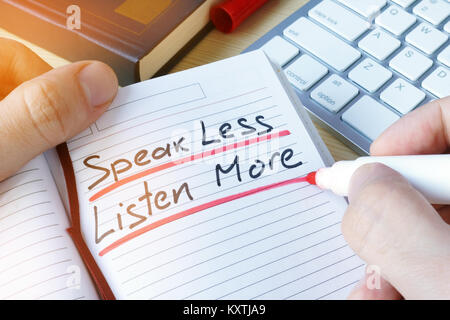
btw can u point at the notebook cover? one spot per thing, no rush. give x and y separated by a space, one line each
74 231
118 32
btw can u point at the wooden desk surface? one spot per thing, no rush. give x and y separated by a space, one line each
216 46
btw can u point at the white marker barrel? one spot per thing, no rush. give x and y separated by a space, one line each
429 174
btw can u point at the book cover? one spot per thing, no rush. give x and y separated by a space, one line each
121 33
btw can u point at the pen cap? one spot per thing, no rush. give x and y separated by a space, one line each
229 14
429 174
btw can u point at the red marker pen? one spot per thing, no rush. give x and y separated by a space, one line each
229 14
429 174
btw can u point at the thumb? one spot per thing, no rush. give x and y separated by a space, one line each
391 225
50 109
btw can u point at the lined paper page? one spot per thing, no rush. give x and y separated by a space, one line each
37 257
191 188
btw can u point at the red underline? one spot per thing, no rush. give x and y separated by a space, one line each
196 209
191 158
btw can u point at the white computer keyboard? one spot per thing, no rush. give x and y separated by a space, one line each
360 65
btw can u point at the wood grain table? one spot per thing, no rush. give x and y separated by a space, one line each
216 46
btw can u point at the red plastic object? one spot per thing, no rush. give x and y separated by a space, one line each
229 14
311 178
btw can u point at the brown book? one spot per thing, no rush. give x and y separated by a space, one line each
137 38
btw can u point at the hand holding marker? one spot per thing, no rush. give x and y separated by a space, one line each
429 174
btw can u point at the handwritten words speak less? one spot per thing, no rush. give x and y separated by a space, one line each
152 202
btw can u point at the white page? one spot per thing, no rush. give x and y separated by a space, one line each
283 243
38 260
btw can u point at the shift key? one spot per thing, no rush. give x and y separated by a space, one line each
322 44
334 93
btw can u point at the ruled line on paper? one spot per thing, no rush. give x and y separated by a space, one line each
26 220
86 133
33 271
105 122
155 94
224 240
30 245
34 257
19 173
29 232
55 291
233 250
23 209
309 274
275 274
19 185
247 258
22 197
325 281
242 260
272 275
36 284
147 122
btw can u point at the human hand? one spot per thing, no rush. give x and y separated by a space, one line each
41 107
391 225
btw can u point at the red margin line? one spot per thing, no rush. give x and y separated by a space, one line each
196 209
202 155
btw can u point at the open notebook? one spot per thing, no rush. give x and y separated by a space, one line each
186 188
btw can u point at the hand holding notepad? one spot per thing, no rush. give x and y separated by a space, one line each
190 186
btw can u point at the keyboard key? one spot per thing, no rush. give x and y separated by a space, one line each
438 82
338 19
322 44
447 27
369 117
410 63
370 75
366 8
402 96
379 44
426 38
305 72
404 3
434 11
395 20
334 93
280 51
444 56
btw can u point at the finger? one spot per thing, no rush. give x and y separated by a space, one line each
17 65
50 109
385 291
391 225
426 130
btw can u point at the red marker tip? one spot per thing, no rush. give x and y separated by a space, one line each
311 178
